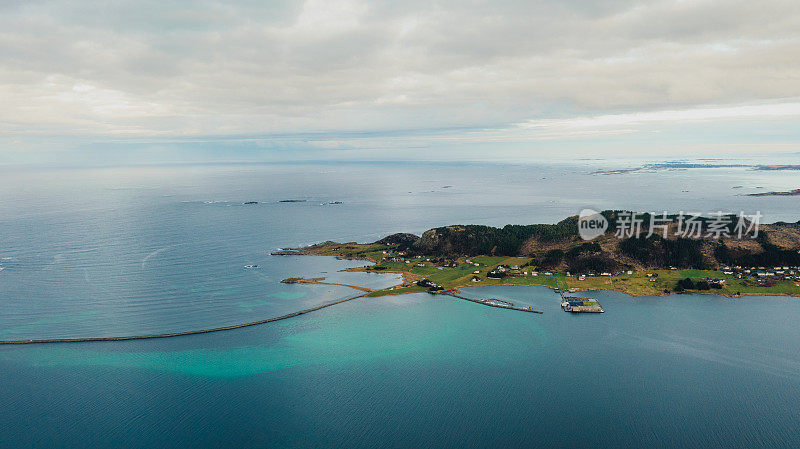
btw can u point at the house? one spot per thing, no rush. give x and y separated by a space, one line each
496 274
429 284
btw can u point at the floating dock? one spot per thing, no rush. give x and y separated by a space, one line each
577 304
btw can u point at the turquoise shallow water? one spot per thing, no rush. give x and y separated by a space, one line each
114 251
426 370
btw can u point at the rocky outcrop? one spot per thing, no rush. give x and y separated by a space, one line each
400 239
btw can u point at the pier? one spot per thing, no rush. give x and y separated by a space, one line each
499 303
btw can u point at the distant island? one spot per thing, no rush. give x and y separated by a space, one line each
777 167
542 254
795 192
688 165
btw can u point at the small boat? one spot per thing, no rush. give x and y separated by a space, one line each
251 266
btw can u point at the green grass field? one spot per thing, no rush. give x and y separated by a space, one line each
637 284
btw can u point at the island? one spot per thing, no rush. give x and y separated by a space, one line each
795 192
447 258
679 165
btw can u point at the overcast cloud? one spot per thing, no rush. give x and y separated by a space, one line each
493 71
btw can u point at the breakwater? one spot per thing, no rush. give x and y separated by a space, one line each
178 334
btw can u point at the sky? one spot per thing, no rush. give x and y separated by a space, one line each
142 81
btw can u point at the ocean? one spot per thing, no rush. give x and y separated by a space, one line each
93 252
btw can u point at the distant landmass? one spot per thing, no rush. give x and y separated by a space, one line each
795 192
688 165
777 167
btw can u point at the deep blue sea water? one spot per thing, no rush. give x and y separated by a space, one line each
112 251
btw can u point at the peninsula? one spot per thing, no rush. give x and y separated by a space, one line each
555 256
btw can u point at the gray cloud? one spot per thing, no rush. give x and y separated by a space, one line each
153 68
